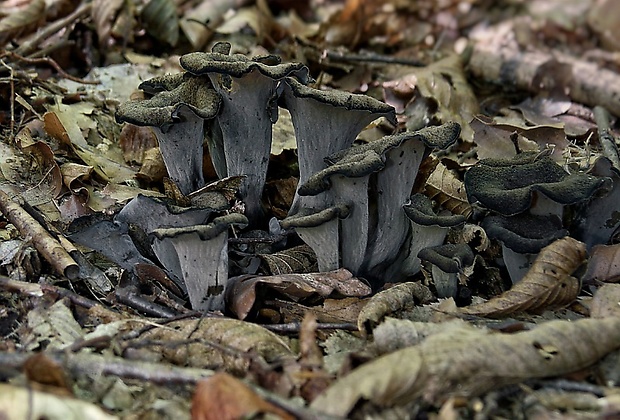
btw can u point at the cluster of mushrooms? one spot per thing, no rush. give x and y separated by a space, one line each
353 205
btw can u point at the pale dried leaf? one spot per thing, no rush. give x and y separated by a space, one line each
447 190
238 336
548 284
471 363
299 259
395 334
606 302
23 21
392 300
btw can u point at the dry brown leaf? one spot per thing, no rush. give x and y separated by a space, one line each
392 300
239 337
449 191
604 264
547 285
241 292
224 397
23 21
471 363
299 259
104 13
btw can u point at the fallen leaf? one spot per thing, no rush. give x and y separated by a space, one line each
390 301
471 363
224 397
548 284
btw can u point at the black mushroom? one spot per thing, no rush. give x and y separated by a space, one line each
428 229
448 263
320 231
346 183
402 153
326 122
599 220
177 113
201 254
522 237
528 182
240 143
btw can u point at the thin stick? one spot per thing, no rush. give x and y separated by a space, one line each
54 64
605 137
28 46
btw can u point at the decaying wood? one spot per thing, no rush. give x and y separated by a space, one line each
498 58
41 239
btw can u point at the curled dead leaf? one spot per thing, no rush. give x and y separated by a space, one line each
472 362
392 300
548 284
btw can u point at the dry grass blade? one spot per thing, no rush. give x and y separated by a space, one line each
547 285
471 363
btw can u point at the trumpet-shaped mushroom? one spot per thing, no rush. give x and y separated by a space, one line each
320 231
402 154
346 183
201 252
447 263
108 237
527 182
326 122
148 214
428 229
248 89
522 237
600 218
177 117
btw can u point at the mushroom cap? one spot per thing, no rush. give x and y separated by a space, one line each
507 186
307 218
161 83
419 209
435 137
237 65
449 258
524 233
355 166
193 95
205 232
341 99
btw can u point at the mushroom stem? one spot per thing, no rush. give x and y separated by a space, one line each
245 122
516 263
323 240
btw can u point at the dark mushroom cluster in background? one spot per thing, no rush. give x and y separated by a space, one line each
354 205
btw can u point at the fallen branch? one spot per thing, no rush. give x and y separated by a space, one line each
41 239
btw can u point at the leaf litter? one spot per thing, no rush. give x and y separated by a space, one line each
127 342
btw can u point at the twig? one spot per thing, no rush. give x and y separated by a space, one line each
51 62
41 239
605 137
41 289
12 106
370 58
295 327
29 45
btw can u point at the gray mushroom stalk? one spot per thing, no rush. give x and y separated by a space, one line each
202 255
325 123
177 117
448 263
242 137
